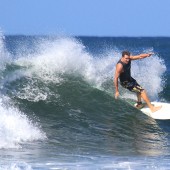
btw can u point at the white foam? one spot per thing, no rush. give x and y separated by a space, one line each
5 56
16 166
149 74
16 128
64 56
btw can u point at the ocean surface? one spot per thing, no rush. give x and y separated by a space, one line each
57 106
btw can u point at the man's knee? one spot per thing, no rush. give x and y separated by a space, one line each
143 91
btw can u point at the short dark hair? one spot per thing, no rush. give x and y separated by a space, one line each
125 53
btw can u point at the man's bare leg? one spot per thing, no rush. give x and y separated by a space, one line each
139 104
139 97
146 99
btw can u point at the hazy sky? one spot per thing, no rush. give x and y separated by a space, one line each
86 17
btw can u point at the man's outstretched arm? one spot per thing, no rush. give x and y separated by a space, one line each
141 56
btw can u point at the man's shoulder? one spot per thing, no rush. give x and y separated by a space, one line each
120 62
119 66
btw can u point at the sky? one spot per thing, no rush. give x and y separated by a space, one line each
85 17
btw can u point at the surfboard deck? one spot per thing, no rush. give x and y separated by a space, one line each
162 114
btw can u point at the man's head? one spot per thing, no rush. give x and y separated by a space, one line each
125 53
126 56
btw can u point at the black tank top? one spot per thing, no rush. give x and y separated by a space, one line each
126 74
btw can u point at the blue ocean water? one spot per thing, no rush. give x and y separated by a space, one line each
58 110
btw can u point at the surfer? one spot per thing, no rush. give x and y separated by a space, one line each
123 73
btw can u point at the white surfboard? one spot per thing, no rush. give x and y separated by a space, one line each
163 113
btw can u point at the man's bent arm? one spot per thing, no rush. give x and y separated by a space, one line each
116 88
117 74
116 84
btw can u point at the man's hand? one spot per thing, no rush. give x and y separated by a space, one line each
149 54
116 95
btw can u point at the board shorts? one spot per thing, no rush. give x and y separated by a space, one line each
132 86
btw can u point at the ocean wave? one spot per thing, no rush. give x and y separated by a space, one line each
68 56
57 104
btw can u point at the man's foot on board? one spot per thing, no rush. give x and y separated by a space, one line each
140 105
156 108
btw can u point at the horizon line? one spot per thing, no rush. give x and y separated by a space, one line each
96 36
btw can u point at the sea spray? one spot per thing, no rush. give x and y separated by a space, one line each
149 72
5 56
